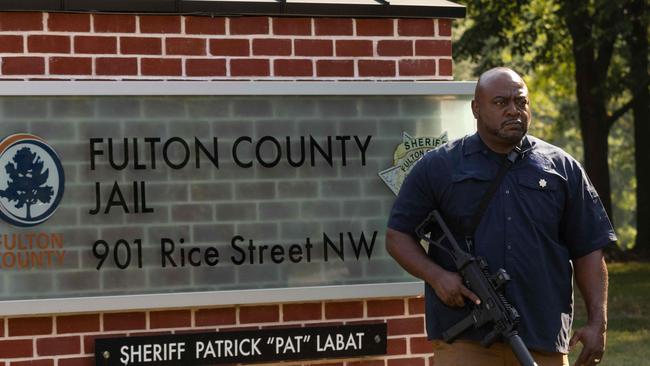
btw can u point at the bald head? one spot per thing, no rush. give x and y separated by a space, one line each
492 75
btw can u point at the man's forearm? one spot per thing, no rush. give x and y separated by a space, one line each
411 256
592 280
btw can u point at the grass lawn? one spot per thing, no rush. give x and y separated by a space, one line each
628 335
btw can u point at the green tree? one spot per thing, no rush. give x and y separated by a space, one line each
576 51
637 41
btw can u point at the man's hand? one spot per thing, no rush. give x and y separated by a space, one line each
450 289
593 339
591 277
410 255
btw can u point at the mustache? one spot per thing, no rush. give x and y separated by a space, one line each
515 121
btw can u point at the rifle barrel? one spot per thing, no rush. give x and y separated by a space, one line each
520 350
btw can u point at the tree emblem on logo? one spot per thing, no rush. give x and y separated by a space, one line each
27 178
409 152
32 180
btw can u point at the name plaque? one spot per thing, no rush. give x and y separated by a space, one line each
251 346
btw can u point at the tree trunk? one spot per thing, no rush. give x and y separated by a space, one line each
638 45
593 126
590 77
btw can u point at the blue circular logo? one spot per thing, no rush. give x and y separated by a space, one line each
31 180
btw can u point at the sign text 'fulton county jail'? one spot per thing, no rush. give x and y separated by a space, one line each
176 153
243 346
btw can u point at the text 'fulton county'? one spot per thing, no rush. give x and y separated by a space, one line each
150 153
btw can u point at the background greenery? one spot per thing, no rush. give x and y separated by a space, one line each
628 335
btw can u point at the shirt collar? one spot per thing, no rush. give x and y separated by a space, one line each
474 144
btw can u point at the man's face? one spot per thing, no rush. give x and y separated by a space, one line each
502 109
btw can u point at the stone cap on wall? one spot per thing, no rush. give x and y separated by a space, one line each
311 8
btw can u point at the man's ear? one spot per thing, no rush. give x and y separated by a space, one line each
475 108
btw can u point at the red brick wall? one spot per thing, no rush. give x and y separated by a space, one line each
127 47
68 339
102 46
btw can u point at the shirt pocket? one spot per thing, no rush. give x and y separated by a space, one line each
541 196
468 189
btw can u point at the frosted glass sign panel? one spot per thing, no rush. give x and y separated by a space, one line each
124 195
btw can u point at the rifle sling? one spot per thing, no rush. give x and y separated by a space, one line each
487 197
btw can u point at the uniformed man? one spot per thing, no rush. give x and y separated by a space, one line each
544 222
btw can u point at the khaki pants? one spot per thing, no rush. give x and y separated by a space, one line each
470 353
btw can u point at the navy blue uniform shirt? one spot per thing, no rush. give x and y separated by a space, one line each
544 213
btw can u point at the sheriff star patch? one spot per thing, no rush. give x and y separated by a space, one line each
406 155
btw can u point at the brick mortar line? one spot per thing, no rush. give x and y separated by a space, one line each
303 323
163 78
207 47
407 337
312 26
182 20
92 23
273 57
44 19
59 54
226 57
118 48
227 36
138 65
54 325
101 321
34 350
308 323
228 68
365 310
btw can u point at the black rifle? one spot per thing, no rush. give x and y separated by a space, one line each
494 308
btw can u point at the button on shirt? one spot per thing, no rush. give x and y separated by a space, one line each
544 213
